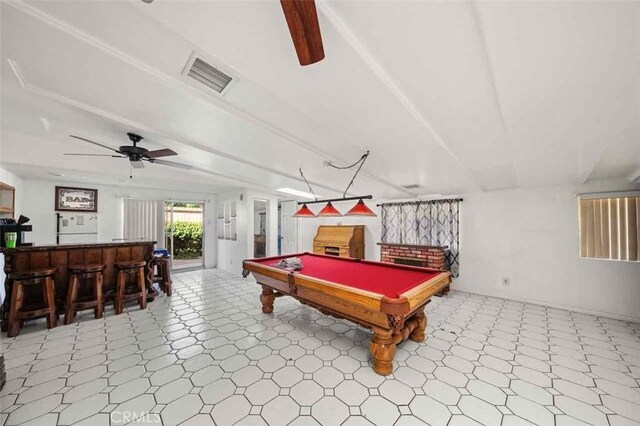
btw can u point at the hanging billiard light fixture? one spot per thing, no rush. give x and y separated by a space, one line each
329 211
304 211
360 209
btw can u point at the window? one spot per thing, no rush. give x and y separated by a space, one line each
610 227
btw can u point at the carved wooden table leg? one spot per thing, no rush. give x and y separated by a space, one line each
417 335
267 298
382 350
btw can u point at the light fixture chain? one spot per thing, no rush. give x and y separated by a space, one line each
308 186
358 163
361 159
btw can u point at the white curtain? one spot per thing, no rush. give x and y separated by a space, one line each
144 220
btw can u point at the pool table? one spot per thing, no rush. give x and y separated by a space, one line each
387 298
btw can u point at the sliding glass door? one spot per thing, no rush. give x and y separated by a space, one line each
184 234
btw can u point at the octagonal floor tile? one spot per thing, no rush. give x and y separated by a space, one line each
380 411
231 410
280 411
181 409
330 411
307 392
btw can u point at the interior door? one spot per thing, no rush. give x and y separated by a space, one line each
289 227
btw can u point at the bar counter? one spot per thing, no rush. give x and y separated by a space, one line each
23 258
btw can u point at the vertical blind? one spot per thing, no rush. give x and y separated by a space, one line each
610 228
144 220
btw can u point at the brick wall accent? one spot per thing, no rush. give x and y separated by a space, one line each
430 256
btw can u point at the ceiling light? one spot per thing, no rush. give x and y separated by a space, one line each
297 193
329 211
360 209
304 211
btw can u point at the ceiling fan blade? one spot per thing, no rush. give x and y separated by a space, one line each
137 164
302 19
97 155
95 143
173 164
160 153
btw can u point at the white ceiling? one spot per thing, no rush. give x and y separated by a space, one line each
455 96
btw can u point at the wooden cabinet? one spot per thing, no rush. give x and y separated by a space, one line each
340 240
7 201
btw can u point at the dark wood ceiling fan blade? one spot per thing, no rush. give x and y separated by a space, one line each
302 19
173 164
94 143
160 153
96 155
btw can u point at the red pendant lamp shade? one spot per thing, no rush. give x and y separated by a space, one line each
304 211
360 209
329 211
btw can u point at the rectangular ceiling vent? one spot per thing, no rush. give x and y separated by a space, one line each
412 186
208 75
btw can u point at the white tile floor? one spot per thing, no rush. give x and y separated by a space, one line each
208 354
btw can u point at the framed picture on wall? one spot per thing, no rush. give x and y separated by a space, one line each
76 199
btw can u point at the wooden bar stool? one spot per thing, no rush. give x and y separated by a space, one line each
92 272
164 273
19 311
128 269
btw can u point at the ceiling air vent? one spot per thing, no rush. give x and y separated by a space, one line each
207 74
412 186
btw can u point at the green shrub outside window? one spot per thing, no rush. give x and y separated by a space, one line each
187 239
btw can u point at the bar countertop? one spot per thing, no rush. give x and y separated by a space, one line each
44 247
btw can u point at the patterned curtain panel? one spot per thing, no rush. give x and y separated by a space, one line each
429 223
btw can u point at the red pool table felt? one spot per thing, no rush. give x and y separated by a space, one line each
383 278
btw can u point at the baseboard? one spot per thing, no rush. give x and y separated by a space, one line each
558 306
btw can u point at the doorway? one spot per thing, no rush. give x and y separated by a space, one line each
184 234
287 228
260 228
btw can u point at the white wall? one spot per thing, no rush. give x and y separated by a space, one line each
17 182
232 253
531 237
38 204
